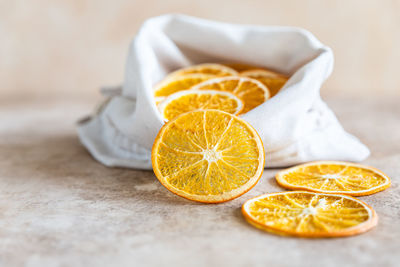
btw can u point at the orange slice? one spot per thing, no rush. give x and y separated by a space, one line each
334 177
308 214
272 80
208 156
207 68
250 91
175 84
189 100
241 66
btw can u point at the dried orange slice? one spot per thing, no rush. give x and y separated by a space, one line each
171 85
272 80
250 91
334 177
207 68
209 156
241 66
189 100
308 214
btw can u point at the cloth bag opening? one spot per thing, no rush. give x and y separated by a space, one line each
295 125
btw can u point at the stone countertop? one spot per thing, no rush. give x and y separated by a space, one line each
59 207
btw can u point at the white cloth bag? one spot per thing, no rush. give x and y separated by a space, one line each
295 125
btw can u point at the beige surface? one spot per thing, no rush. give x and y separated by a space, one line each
59 207
64 46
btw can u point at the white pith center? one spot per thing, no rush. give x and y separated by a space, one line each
309 210
313 210
331 176
211 155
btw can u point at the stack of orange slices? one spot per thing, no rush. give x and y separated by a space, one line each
206 153
246 87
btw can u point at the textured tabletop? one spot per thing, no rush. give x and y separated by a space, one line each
59 207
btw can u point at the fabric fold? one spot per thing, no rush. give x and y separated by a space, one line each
295 125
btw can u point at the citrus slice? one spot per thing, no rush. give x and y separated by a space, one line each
171 85
308 214
272 80
208 156
207 68
250 91
334 177
188 100
241 66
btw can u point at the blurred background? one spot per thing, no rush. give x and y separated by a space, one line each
69 48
